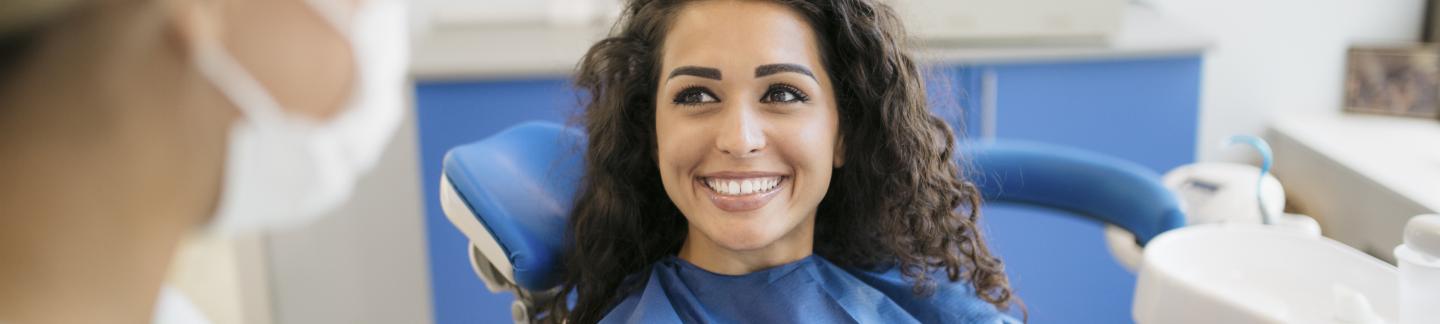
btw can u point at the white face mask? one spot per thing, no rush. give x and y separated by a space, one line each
283 170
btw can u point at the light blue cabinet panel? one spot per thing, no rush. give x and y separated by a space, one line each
1058 265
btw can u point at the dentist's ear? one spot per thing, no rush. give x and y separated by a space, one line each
195 23
839 151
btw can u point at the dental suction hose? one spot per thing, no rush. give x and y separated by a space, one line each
1266 159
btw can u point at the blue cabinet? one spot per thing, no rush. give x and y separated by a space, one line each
1143 110
1140 110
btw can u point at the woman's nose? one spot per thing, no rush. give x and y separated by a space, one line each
742 133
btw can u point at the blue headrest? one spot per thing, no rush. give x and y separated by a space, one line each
1105 188
520 183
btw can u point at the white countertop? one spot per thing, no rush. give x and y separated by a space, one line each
490 52
1401 154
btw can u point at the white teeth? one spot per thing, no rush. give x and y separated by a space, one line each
740 187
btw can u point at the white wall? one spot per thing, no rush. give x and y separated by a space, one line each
427 15
1275 57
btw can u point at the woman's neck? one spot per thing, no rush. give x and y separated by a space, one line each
705 253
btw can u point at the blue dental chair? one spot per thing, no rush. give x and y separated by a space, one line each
511 193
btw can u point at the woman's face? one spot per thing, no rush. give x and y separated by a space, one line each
746 126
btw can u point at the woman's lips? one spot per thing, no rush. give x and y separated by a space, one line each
750 199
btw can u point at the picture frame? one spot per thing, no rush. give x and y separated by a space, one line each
1399 79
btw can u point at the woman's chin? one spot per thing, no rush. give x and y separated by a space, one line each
746 237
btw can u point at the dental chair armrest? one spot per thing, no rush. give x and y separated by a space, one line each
1105 188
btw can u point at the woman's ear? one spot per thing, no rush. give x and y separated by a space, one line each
839 151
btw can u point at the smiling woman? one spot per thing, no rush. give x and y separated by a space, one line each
757 161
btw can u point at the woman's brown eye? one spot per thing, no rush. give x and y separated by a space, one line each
782 93
694 96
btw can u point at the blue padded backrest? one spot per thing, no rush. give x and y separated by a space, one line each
520 183
1101 187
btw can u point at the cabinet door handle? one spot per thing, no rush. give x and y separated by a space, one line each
989 88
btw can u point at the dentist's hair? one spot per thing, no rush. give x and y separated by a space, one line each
21 22
900 199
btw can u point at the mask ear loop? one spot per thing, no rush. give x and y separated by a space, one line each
1267 158
197 22
237 83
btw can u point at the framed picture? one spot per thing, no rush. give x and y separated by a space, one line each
1399 80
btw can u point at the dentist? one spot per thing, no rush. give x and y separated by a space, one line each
127 124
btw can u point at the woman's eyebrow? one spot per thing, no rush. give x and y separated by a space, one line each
768 69
704 72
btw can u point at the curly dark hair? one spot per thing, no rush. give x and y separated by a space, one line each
900 200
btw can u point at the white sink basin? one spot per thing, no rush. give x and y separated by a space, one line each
1240 273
